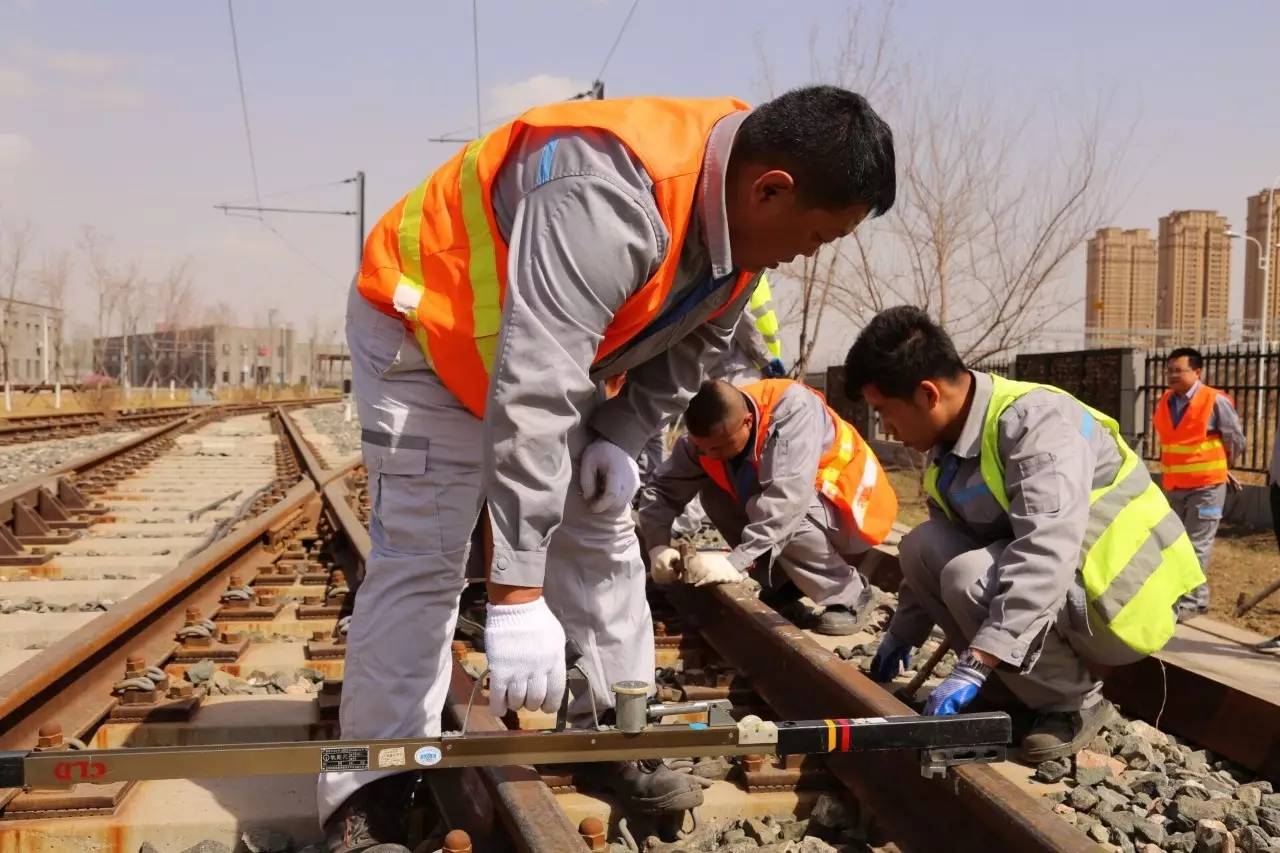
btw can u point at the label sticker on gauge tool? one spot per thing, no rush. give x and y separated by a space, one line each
344 758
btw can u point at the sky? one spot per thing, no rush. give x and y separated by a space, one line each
127 116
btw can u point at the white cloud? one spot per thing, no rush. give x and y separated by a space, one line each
105 96
16 83
15 149
512 98
80 63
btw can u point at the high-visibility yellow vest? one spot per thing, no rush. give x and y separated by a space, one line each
1137 558
761 307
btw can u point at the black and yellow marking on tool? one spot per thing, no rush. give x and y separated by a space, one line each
941 741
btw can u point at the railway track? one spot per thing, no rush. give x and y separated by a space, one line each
20 429
241 640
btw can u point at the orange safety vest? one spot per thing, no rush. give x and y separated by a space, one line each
849 475
1190 458
438 261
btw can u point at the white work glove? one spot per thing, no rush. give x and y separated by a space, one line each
608 476
710 567
524 644
664 564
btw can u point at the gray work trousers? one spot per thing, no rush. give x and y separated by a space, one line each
1201 513
953 576
815 558
425 493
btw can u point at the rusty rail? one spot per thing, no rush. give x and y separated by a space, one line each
979 809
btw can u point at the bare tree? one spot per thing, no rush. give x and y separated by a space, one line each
981 227
14 247
114 288
984 228
54 276
221 314
176 305
859 59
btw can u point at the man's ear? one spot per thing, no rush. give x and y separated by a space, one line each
928 393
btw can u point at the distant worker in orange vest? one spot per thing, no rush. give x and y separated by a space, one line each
579 241
1199 433
785 480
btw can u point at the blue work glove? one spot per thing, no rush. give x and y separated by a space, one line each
775 369
891 658
955 692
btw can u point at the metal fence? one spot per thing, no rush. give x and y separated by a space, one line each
1250 374
1006 367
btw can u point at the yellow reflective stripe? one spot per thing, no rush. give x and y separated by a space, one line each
831 735
482 269
1196 467
761 295
1186 449
844 435
767 324
1146 621
408 234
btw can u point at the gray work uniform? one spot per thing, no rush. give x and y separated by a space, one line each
1201 508
781 517
743 363
1007 582
578 214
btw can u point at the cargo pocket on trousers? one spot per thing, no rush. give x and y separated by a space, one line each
401 497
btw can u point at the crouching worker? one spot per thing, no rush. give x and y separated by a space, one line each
1048 550
785 481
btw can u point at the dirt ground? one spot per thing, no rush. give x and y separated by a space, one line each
911 509
1243 561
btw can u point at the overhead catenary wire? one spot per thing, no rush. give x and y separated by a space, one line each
617 40
244 103
452 135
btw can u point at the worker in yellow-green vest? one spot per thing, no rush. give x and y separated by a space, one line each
1049 554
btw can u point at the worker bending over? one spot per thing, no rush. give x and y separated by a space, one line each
755 352
1199 433
580 241
784 479
1048 550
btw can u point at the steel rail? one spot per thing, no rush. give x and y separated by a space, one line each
797 677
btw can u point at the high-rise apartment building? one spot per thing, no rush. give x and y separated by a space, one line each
1256 227
1194 278
1120 288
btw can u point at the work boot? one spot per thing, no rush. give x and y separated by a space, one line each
372 819
649 784
1057 734
837 620
840 620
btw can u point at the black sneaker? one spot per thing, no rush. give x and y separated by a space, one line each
1269 647
372 820
1057 734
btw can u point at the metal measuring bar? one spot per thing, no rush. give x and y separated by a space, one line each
941 741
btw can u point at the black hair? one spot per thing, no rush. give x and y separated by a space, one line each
833 143
900 348
715 402
1194 357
